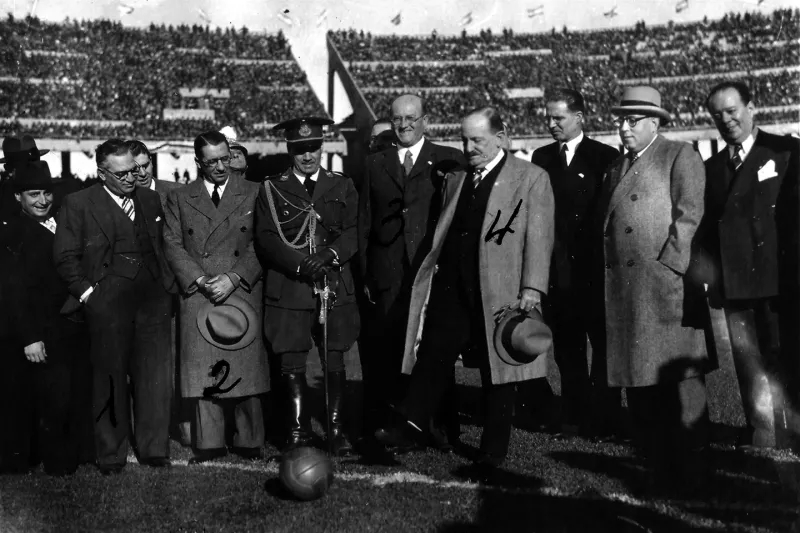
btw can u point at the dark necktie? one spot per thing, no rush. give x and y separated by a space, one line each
476 177
215 196
309 183
736 158
408 163
562 154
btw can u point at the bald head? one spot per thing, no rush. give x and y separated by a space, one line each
408 119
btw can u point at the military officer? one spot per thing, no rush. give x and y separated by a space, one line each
305 238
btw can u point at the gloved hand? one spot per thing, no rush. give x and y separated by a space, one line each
312 265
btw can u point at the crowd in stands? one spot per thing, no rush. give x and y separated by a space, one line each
597 63
103 71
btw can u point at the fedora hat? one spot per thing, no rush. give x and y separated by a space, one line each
24 149
231 325
32 175
641 99
520 338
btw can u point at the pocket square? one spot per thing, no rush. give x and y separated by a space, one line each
580 174
158 218
247 213
767 171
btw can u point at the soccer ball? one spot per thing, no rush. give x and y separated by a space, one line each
307 473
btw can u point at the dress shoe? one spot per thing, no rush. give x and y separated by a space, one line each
248 453
203 456
110 470
439 441
399 439
156 462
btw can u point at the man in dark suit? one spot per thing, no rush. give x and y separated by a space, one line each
56 349
305 234
575 164
749 234
399 203
108 249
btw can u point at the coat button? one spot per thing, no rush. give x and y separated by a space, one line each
236 253
244 228
190 232
628 229
634 197
608 266
405 210
631 262
206 255
286 212
435 269
105 265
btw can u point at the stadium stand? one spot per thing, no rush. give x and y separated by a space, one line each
683 61
98 79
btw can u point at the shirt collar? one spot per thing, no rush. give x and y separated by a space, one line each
415 149
747 144
572 145
210 186
637 155
114 196
153 184
314 177
493 163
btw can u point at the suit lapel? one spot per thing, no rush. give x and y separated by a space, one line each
746 177
231 198
502 195
290 184
424 160
199 198
631 175
325 182
103 204
149 212
392 165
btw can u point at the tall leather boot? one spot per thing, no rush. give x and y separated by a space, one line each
338 442
297 420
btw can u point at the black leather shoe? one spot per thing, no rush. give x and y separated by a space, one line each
298 422
399 440
203 456
156 462
439 441
110 470
248 453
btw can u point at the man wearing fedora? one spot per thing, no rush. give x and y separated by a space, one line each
108 249
305 236
488 265
749 237
16 150
649 210
209 244
57 347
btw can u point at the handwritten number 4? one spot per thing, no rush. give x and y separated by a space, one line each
500 233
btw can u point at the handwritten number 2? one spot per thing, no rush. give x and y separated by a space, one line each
220 367
500 233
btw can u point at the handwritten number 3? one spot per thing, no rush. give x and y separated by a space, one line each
500 233
223 367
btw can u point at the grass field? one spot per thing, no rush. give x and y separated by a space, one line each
547 485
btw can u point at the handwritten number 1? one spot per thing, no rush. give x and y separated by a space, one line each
500 233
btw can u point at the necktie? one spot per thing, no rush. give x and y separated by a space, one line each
476 177
563 156
128 207
408 163
215 196
310 184
736 158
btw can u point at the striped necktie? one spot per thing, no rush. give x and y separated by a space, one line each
736 158
476 177
128 207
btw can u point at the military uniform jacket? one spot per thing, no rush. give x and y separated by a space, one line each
335 204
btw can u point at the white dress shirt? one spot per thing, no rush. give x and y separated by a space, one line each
414 149
572 145
209 187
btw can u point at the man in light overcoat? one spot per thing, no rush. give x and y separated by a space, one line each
208 241
651 205
491 250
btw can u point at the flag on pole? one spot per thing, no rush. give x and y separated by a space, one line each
321 17
124 9
285 18
396 20
466 19
681 5
204 16
611 14
537 11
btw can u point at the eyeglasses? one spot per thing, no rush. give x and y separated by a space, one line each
631 121
398 121
122 173
211 163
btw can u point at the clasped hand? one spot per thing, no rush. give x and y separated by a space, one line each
314 266
218 288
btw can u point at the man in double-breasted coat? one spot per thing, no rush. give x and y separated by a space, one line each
305 235
749 239
491 249
208 241
651 206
